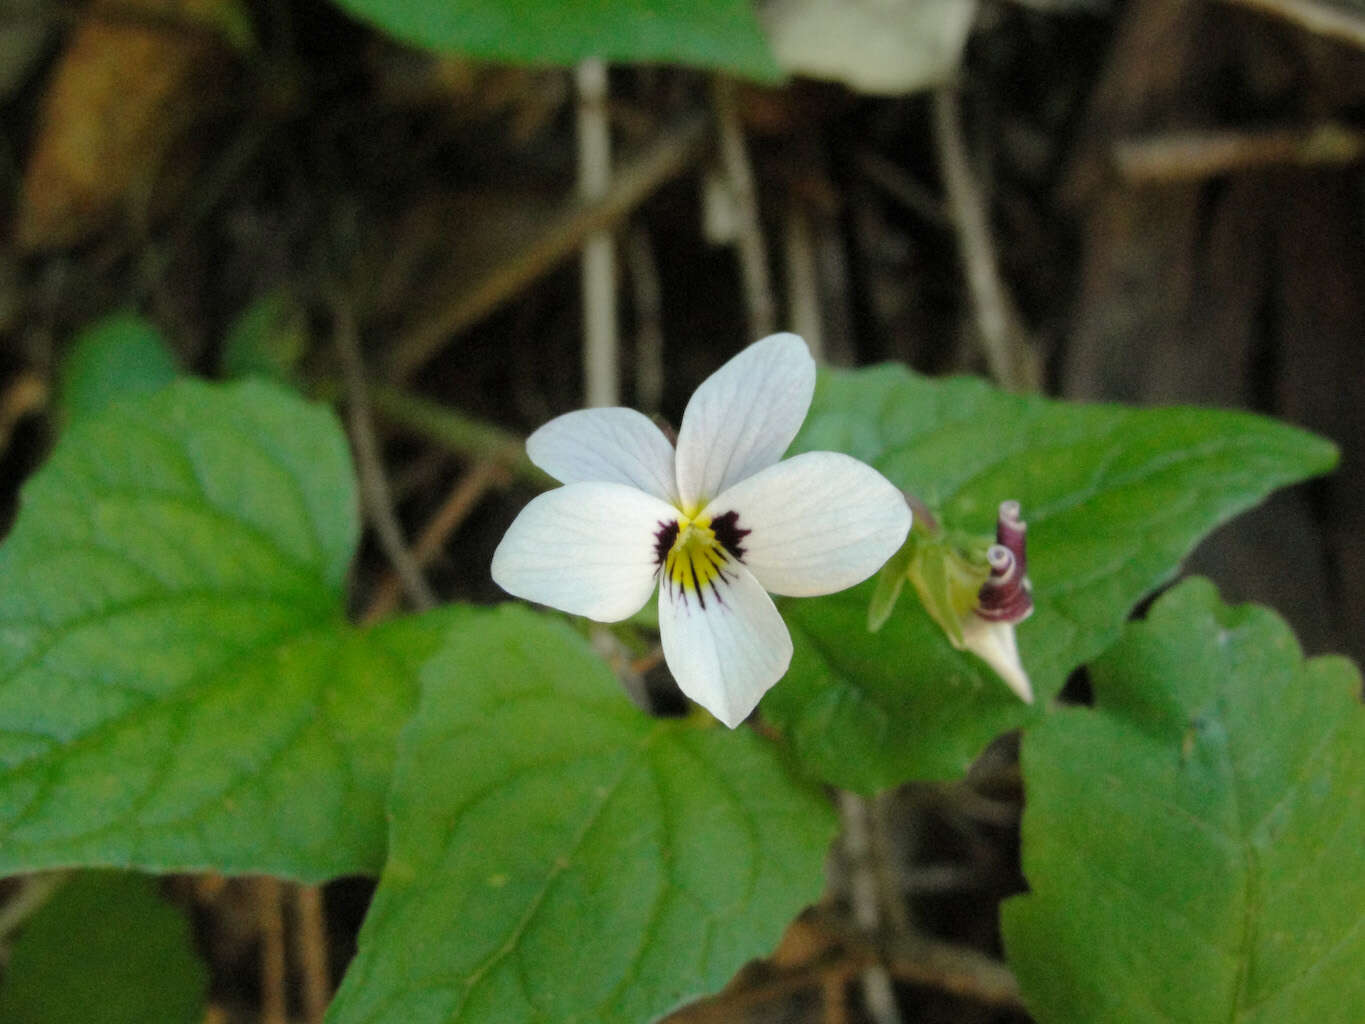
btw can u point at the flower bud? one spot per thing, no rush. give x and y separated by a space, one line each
976 593
1005 598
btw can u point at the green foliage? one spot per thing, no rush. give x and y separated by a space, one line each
104 949
1193 844
177 686
556 856
1114 497
268 338
712 33
891 580
117 357
179 690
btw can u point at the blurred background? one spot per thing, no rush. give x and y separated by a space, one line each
1149 201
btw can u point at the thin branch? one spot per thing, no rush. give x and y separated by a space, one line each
1012 362
1194 156
374 485
677 149
750 245
961 970
617 655
803 279
310 947
456 432
649 332
1333 20
269 900
461 500
864 895
33 891
601 343
826 973
900 186
917 960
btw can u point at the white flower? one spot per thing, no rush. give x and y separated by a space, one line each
719 523
994 643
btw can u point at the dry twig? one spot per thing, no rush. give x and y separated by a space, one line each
601 342
677 149
310 947
803 279
32 892
1327 19
374 486
900 186
864 894
749 242
458 433
649 331
1193 156
461 500
1012 362
917 960
269 899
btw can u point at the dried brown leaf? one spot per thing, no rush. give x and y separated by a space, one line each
132 76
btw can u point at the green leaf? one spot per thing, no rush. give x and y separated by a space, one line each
890 582
121 356
1194 843
268 339
721 34
178 688
558 857
1114 497
105 949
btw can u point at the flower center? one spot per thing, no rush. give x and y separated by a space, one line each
694 554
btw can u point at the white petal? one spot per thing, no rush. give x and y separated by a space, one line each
618 446
726 654
817 523
586 549
744 416
993 643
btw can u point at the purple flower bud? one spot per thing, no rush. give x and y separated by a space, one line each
1007 595
1011 532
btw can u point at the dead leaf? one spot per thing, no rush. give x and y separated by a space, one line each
133 75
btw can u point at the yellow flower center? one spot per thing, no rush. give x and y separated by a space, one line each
697 554
696 557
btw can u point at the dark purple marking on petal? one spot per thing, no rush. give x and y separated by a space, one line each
697 565
664 537
728 533
717 559
697 587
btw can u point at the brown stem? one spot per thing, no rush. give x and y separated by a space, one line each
1011 361
269 899
463 498
310 947
749 242
374 485
636 179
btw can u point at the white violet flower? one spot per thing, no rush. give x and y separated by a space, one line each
718 523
